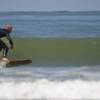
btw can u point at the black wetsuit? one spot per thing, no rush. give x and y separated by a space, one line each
3 46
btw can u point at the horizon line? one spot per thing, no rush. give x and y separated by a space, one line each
49 11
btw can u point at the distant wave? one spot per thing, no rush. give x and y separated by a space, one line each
49 12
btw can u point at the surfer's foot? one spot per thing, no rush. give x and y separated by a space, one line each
5 59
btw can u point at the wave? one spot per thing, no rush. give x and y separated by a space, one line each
52 51
45 89
62 73
62 12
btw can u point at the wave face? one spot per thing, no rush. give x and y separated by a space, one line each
50 90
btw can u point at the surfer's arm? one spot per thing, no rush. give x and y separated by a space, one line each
2 31
10 41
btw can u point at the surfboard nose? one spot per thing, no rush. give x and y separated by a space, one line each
19 62
27 61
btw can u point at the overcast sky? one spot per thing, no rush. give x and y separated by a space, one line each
49 5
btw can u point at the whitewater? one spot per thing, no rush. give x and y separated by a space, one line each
50 83
45 89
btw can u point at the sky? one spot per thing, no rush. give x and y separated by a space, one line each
49 5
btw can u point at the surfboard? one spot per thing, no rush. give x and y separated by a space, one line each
11 62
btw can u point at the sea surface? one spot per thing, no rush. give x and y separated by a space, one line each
51 82
53 24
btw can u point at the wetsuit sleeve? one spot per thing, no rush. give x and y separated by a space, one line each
10 41
2 31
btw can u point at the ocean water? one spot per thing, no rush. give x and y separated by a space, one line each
53 24
51 82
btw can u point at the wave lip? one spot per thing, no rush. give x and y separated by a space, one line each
45 89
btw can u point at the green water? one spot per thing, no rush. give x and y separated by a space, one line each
61 51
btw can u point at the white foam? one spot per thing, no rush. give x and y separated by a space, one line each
2 64
45 89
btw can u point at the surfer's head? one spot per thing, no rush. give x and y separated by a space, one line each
8 28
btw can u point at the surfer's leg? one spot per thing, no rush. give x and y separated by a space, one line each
1 45
5 53
4 47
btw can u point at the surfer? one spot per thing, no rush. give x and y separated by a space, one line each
5 32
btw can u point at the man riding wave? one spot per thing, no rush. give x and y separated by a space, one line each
5 32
